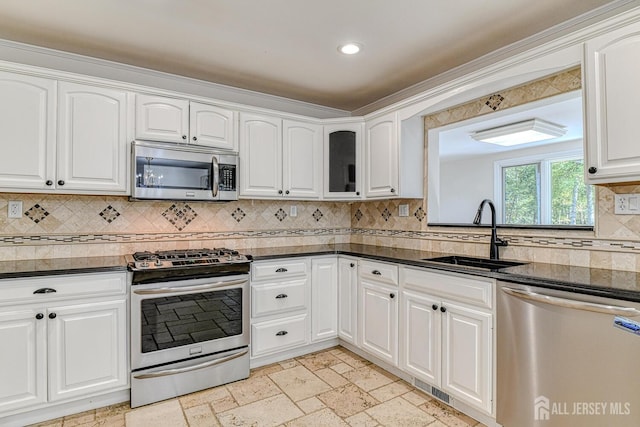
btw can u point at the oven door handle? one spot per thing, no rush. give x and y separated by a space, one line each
208 286
175 371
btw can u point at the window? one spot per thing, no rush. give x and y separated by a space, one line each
544 191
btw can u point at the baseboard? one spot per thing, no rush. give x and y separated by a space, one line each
295 352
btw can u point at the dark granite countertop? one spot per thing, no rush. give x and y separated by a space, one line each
600 282
54 266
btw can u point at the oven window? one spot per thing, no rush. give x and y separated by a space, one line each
187 319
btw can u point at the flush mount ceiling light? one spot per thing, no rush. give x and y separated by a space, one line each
520 133
350 48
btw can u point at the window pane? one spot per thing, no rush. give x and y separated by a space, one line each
571 198
521 190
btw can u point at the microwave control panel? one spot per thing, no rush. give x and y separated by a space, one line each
227 174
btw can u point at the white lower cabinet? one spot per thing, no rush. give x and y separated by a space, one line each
378 310
348 299
324 298
446 341
61 347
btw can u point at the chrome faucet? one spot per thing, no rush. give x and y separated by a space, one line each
495 241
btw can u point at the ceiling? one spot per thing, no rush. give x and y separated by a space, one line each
288 47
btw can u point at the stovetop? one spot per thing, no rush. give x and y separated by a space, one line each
141 261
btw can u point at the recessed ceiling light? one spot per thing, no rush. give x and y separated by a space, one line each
520 133
350 48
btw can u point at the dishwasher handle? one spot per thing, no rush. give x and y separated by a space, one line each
569 303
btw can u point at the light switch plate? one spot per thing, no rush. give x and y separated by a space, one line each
293 210
627 204
403 210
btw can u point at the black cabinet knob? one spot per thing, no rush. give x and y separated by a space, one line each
49 182
279 191
443 309
52 315
393 190
286 192
392 296
184 136
195 138
434 306
60 182
352 265
593 169
357 193
39 316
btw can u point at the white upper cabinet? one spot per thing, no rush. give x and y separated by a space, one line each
381 157
93 138
612 89
343 161
162 119
212 126
279 158
302 159
180 121
27 121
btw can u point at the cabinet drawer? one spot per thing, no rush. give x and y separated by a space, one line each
474 291
279 269
379 271
276 335
274 298
56 287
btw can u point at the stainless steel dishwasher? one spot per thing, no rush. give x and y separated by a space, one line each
566 359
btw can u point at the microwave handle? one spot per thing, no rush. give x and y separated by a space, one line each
216 176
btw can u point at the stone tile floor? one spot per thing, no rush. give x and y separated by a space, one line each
334 387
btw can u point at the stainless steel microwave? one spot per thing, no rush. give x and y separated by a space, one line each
165 171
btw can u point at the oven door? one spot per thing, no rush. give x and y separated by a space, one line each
174 321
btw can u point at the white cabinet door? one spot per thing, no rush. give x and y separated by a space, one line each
302 160
28 126
381 157
466 353
87 348
420 329
343 161
260 156
612 66
93 139
162 119
23 358
324 298
379 321
212 127
347 299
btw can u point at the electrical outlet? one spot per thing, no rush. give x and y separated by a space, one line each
403 210
293 210
626 204
14 209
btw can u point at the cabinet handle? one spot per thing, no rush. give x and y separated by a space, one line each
593 169
357 193
443 309
39 316
281 333
286 192
392 296
44 291
393 190
434 306
184 136
52 315
280 296
376 272
49 182
352 265
281 270
195 138
279 191
60 182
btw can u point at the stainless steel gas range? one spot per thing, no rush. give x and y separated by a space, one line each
189 321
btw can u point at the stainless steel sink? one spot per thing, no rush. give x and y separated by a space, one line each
483 263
